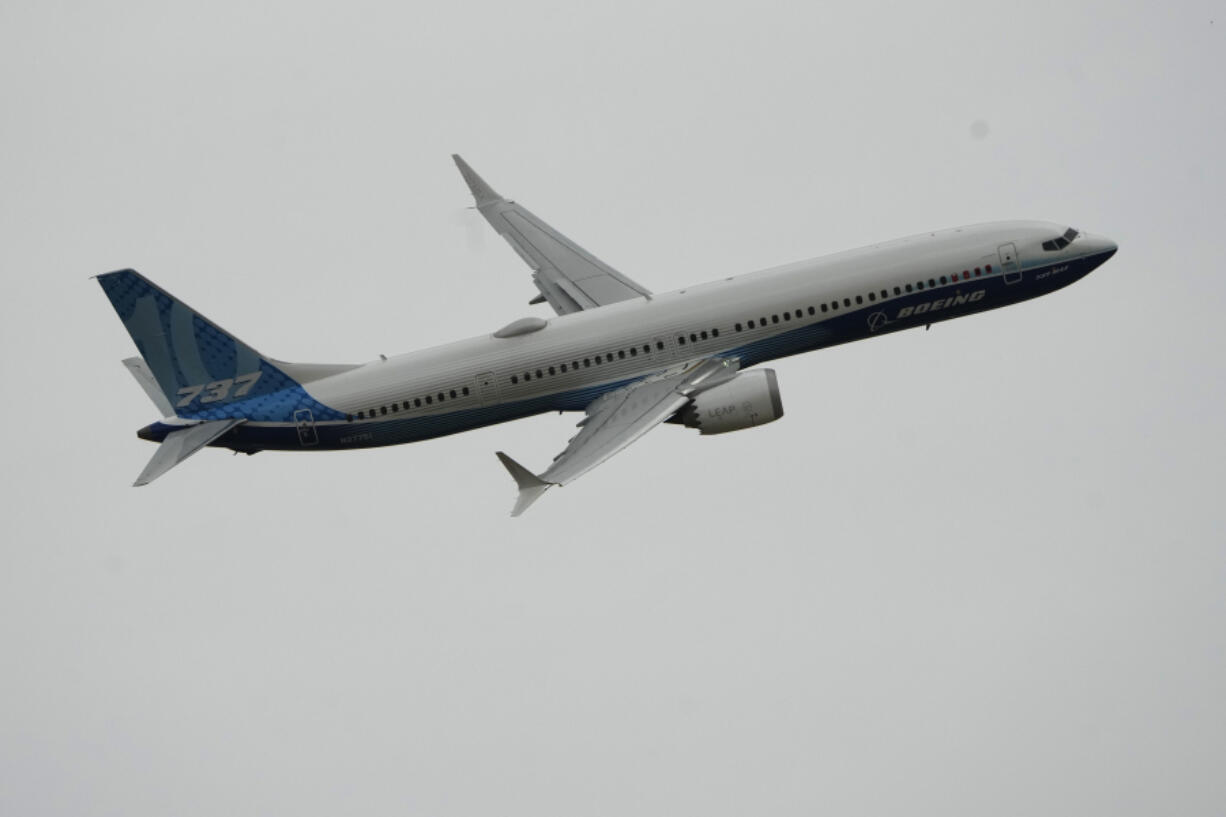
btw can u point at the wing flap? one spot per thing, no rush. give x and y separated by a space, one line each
615 420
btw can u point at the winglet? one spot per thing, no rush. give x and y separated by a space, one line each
482 192
530 485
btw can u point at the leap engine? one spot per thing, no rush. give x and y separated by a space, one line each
749 399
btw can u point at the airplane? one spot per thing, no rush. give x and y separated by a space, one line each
627 357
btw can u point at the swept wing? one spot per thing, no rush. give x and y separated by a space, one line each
618 418
569 277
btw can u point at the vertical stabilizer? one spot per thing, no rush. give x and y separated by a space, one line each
204 372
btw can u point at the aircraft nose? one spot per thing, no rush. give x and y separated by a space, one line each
1100 246
1098 249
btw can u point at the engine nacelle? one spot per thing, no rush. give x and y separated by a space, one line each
749 399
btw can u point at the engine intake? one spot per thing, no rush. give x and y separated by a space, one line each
749 399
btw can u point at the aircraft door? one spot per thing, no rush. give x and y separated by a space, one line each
304 421
487 388
1009 263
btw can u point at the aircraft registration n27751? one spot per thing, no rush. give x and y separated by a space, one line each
628 358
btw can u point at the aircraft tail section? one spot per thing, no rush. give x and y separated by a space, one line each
204 372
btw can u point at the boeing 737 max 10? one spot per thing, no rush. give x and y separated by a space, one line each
628 358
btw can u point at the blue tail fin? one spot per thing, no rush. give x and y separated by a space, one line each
205 372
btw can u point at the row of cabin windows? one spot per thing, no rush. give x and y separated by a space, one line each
693 337
608 357
408 405
586 363
833 306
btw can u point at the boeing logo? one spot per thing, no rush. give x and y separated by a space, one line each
941 303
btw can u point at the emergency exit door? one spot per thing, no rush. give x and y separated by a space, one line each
1009 263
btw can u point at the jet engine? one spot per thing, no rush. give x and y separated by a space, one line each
749 399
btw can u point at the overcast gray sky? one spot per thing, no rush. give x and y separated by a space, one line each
978 570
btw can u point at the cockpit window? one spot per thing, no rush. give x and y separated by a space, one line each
1061 242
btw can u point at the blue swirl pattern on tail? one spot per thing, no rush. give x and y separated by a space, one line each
205 372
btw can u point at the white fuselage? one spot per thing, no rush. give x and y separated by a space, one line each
631 339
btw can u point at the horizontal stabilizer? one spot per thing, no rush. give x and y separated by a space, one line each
181 444
530 485
140 370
